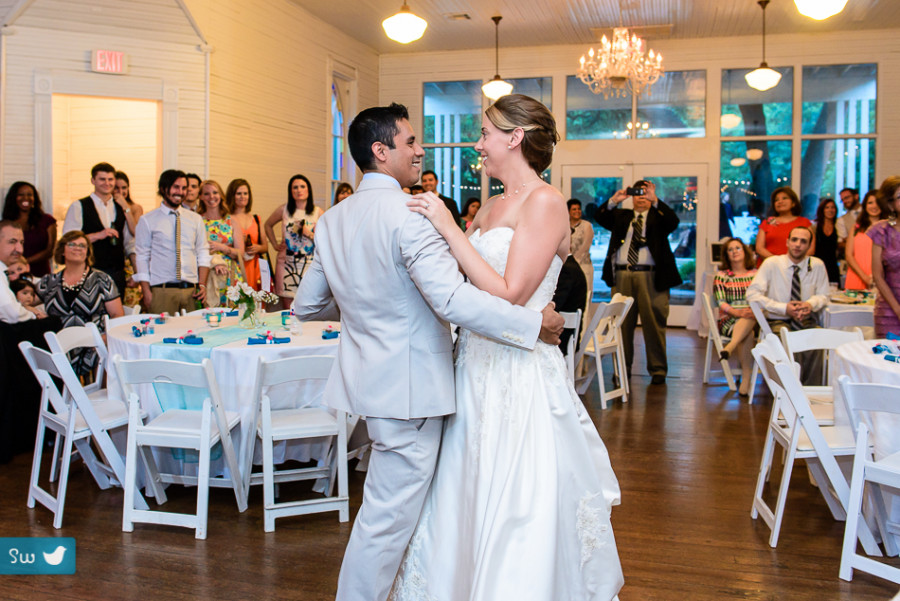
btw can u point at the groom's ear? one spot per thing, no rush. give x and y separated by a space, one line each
379 151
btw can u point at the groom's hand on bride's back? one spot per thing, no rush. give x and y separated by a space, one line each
552 325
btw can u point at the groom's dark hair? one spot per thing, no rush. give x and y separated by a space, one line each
376 124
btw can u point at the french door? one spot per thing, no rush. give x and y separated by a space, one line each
682 186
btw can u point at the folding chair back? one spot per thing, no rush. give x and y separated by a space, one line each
295 424
715 343
77 337
863 400
815 339
605 339
764 328
177 428
847 318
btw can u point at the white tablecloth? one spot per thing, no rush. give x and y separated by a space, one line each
857 361
235 367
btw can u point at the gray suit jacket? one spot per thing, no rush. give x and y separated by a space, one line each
397 286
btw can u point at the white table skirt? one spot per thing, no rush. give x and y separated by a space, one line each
235 368
856 360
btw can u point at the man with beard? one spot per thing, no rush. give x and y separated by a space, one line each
172 251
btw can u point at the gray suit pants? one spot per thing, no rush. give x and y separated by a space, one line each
404 455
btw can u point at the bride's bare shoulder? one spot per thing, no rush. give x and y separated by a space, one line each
545 200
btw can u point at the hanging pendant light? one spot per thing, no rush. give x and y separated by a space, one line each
763 78
496 87
820 9
404 27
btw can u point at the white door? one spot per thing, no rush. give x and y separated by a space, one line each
682 186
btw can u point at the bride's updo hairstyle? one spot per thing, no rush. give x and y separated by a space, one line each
516 110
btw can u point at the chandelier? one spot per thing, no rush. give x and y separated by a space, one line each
620 66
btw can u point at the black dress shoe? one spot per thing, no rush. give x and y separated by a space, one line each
724 355
658 379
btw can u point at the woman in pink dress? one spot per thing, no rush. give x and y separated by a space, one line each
885 237
774 231
859 246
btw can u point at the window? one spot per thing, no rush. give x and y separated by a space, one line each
674 108
337 140
749 112
838 149
539 88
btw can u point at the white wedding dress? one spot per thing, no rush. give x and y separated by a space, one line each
519 507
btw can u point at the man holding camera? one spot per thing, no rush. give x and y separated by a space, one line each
640 264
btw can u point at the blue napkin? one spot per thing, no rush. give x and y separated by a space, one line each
266 341
185 340
330 334
231 313
892 336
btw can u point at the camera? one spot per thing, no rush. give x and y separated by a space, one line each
635 191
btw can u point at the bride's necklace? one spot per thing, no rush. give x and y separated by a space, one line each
76 285
519 188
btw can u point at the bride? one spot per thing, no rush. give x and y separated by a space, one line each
519 507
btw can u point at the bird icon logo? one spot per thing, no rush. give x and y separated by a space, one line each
55 558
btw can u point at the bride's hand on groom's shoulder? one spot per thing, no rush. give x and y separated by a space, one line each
431 205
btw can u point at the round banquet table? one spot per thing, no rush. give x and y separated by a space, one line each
234 362
856 360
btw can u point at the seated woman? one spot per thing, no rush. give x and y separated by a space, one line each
859 245
226 243
79 294
827 238
774 231
735 317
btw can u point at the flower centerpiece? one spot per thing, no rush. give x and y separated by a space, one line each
249 303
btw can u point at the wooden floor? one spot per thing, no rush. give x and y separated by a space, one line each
686 456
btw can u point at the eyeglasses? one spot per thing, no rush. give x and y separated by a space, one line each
78 245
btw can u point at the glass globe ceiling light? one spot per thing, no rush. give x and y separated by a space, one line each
730 120
496 87
404 27
620 66
820 9
763 78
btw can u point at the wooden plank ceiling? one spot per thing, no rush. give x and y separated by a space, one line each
553 22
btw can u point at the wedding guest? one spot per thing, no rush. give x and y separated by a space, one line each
79 294
172 251
859 245
470 209
847 222
341 192
133 212
191 200
416 189
735 317
582 238
885 237
772 237
19 269
430 183
26 294
104 222
226 243
11 244
298 217
239 201
827 238
23 206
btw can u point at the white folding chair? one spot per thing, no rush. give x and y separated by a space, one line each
862 401
181 429
132 310
572 322
603 340
764 328
818 339
273 426
793 426
715 343
75 419
847 318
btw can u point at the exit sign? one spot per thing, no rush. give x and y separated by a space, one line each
109 61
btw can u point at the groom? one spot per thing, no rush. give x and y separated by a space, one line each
397 286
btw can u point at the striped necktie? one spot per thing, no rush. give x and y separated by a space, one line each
637 227
795 290
177 246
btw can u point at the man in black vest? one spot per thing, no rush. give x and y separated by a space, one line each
640 264
103 221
